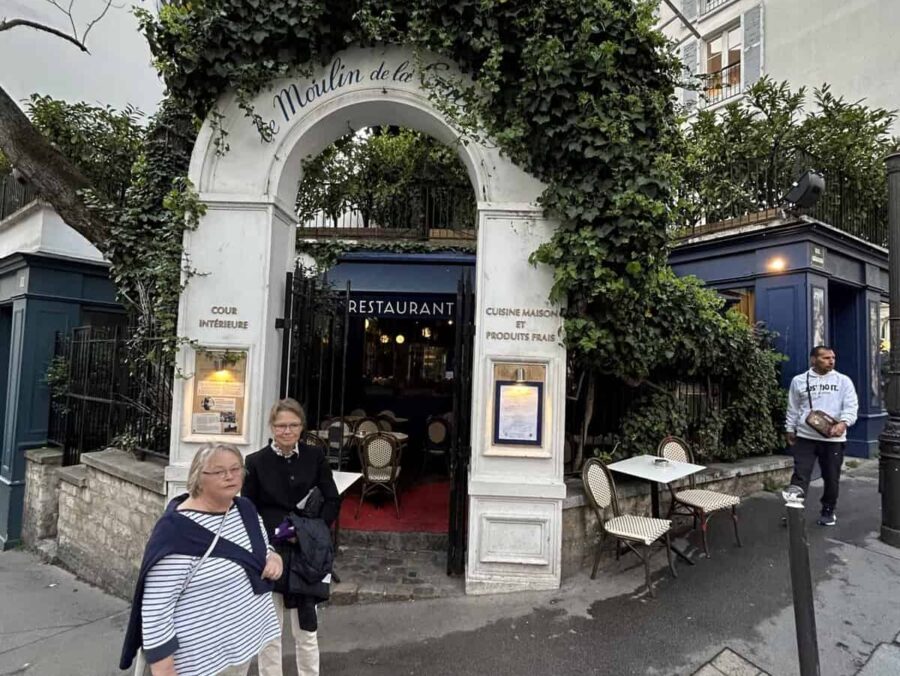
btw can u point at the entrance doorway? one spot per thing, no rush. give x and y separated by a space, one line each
357 359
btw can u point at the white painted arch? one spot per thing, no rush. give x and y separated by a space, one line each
245 243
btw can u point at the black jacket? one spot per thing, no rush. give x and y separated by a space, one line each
275 484
309 560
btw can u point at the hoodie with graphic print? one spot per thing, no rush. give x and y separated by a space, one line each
832 393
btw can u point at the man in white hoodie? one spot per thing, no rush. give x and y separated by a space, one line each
820 388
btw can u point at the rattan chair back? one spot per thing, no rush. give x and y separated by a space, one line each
379 452
315 441
677 449
385 424
367 426
438 431
358 412
599 487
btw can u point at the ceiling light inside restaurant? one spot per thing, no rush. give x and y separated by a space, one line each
426 332
400 339
385 338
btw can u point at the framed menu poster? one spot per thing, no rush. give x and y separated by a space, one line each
518 412
220 381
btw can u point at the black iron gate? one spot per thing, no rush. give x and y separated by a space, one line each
461 442
314 344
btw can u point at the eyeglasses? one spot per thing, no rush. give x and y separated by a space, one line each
284 427
223 473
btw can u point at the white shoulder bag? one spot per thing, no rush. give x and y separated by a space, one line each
140 660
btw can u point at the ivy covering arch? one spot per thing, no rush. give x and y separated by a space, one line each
577 92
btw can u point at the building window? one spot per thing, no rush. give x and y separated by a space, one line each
710 5
744 300
722 77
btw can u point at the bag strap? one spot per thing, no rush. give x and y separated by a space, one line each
205 556
808 393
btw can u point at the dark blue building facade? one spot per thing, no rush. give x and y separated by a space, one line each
812 284
40 294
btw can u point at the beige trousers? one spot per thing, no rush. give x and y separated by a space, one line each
306 646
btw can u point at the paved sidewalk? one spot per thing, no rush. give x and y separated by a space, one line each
724 616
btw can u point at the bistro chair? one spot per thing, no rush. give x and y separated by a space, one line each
697 503
637 533
339 443
379 457
315 441
367 426
358 412
437 441
388 414
385 424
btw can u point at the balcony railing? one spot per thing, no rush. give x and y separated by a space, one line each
722 84
751 191
14 195
422 212
709 5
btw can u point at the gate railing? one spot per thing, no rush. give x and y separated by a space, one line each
14 195
109 390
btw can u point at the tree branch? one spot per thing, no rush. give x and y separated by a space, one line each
12 23
56 179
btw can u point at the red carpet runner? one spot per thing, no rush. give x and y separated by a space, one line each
424 508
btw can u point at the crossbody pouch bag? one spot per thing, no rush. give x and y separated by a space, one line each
820 421
140 660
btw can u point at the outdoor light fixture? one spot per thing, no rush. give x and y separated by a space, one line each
805 191
520 374
777 264
400 339
385 338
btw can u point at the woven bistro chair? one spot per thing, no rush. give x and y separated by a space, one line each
437 442
358 412
379 457
339 443
697 503
636 533
385 423
367 426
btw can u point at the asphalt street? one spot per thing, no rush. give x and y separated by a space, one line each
52 625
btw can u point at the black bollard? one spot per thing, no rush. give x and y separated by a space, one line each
801 582
889 462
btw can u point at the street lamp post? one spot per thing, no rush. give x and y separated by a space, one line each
801 582
889 440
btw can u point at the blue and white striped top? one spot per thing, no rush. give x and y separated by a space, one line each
218 621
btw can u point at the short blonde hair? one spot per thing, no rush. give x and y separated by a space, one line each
201 460
289 405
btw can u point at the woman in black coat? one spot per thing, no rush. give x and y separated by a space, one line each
278 477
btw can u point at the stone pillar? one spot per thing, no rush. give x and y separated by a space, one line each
41 494
515 490
241 253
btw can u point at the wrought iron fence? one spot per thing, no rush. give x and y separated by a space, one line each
722 84
422 212
109 389
741 192
14 195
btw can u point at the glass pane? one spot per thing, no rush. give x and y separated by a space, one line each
734 46
714 55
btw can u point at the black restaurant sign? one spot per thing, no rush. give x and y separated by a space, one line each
411 306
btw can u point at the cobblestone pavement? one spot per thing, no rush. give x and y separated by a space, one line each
369 575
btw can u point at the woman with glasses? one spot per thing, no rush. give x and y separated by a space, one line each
203 603
278 477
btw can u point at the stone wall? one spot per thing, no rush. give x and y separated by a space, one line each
41 494
742 478
107 508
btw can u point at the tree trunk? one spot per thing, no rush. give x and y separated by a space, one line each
54 177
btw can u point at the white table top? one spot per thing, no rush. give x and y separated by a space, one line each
343 480
644 467
399 436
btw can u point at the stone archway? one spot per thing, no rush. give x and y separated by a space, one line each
246 242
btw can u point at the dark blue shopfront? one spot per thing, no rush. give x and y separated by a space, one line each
811 284
400 345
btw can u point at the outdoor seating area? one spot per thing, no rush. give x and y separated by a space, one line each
375 445
672 467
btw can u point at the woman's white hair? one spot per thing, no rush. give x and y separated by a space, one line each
201 460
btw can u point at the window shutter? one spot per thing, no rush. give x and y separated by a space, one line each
753 46
689 57
689 9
